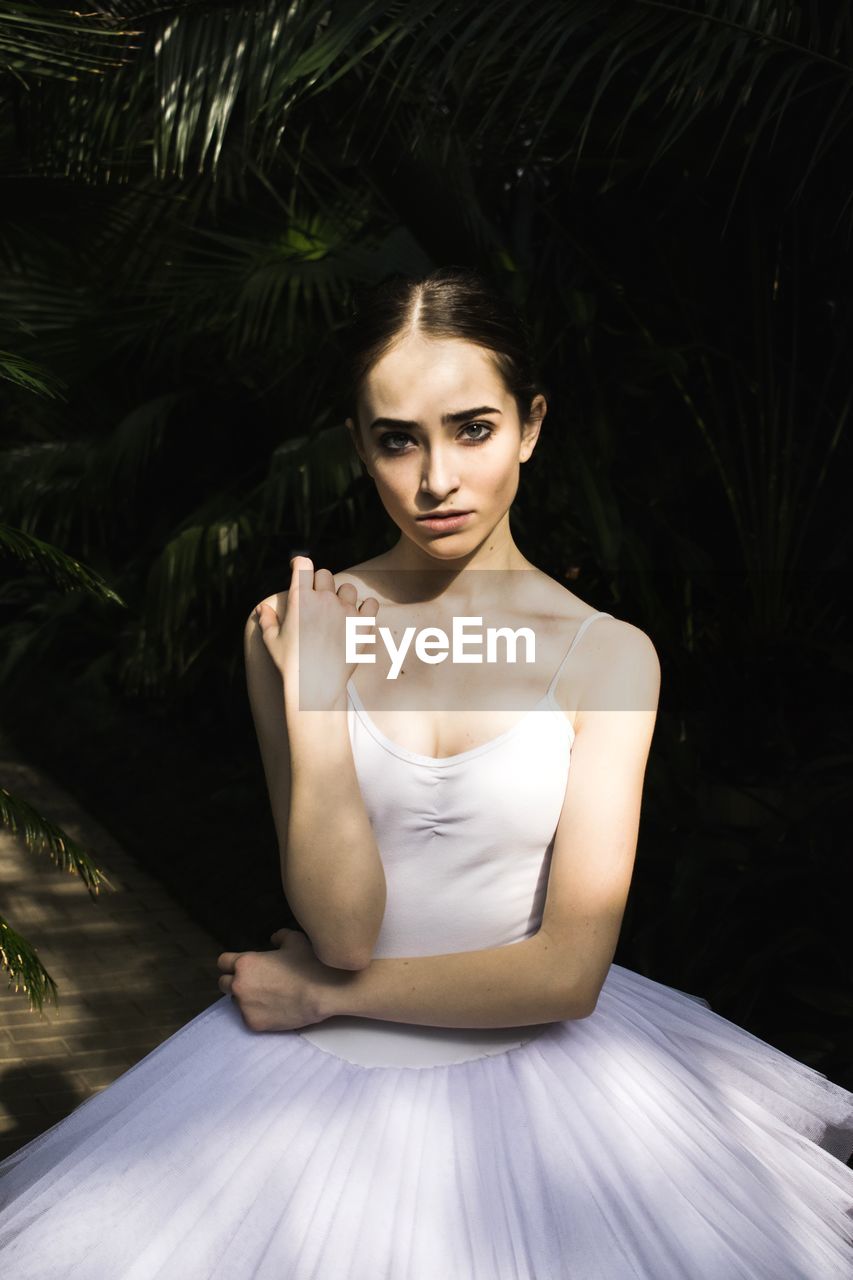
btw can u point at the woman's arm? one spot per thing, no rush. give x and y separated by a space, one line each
557 973
510 986
331 870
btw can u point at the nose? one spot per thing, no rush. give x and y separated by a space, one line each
438 476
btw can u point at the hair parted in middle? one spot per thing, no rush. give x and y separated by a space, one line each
449 302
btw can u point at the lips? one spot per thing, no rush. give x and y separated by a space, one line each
446 523
442 515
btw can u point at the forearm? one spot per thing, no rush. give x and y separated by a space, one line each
332 872
509 986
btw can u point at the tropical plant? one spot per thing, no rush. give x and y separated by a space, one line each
18 956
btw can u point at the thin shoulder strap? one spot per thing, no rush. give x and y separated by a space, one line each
581 629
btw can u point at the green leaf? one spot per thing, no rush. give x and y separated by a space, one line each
26 972
25 373
40 835
67 572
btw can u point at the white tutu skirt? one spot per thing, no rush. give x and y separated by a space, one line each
654 1139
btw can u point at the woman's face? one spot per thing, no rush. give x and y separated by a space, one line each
421 460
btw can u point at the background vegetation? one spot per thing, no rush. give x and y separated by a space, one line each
191 192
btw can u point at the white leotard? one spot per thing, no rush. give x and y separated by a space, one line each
466 843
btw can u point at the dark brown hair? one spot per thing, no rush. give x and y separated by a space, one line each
450 302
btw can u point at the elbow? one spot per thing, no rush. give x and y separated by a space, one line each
578 1004
337 951
337 957
351 940
334 947
340 949
345 936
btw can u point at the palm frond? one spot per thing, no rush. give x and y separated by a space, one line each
687 58
187 587
26 972
200 73
254 291
40 835
283 290
273 287
56 310
136 442
32 377
45 484
64 570
37 42
208 80
308 476
198 572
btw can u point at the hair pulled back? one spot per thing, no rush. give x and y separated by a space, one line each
449 302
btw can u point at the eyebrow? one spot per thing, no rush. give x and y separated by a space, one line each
460 416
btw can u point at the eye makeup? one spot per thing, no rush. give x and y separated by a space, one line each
394 435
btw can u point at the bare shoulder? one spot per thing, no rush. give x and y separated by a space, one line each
618 637
619 670
604 640
362 577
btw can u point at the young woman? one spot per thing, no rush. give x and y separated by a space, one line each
445 1075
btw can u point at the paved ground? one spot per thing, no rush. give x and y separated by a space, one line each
130 965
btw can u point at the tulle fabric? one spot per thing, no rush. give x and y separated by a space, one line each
653 1140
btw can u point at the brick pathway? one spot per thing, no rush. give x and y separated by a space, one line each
131 967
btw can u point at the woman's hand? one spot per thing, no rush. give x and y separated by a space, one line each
320 612
278 990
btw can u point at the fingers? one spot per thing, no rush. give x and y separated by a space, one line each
226 960
324 581
225 983
266 611
348 592
298 562
266 616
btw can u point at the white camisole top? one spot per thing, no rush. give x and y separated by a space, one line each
466 843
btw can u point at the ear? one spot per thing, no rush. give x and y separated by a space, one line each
530 429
